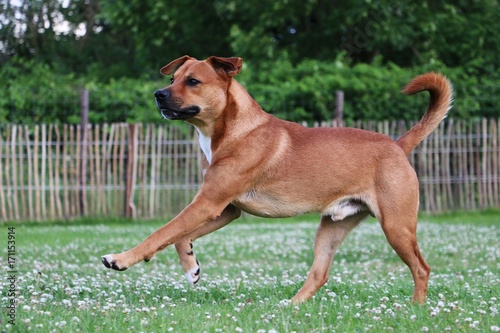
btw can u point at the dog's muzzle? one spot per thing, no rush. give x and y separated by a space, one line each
170 107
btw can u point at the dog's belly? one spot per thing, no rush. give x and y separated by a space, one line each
269 205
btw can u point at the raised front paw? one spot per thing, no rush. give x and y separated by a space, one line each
112 261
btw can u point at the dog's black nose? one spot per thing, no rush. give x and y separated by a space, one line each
162 94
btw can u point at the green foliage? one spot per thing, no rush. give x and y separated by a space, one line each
297 54
372 92
112 39
302 92
45 96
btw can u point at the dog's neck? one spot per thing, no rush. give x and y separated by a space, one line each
240 109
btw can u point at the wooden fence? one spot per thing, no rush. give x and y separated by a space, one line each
145 170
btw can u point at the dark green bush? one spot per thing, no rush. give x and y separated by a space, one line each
33 93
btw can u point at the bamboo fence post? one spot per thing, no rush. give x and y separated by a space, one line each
43 172
65 157
72 172
436 169
159 168
14 171
449 172
92 201
114 165
487 176
22 182
95 156
102 165
339 108
122 167
131 170
50 181
472 158
496 160
29 172
172 170
3 208
108 140
8 167
467 181
36 173
57 171
478 161
143 163
8 183
187 167
153 139
84 104
194 164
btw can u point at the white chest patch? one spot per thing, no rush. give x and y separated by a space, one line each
205 145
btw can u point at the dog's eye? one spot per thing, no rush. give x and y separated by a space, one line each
172 80
192 82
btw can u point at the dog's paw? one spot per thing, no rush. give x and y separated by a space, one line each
193 274
110 261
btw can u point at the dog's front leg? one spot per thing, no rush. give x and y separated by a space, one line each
189 263
201 211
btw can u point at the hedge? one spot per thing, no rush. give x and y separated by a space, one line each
35 93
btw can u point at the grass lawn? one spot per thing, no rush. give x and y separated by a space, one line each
250 270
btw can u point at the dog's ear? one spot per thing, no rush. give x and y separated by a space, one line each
231 66
172 66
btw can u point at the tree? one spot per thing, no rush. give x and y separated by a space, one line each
161 31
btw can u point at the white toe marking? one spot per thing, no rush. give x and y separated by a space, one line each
191 275
108 257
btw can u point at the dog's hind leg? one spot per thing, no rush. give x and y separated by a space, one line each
190 265
400 230
329 236
398 203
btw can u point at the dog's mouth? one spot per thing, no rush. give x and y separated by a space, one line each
181 114
171 106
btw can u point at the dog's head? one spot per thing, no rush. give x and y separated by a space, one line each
198 89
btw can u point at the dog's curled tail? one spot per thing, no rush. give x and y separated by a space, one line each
441 92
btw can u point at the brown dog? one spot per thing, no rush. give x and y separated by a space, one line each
274 168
